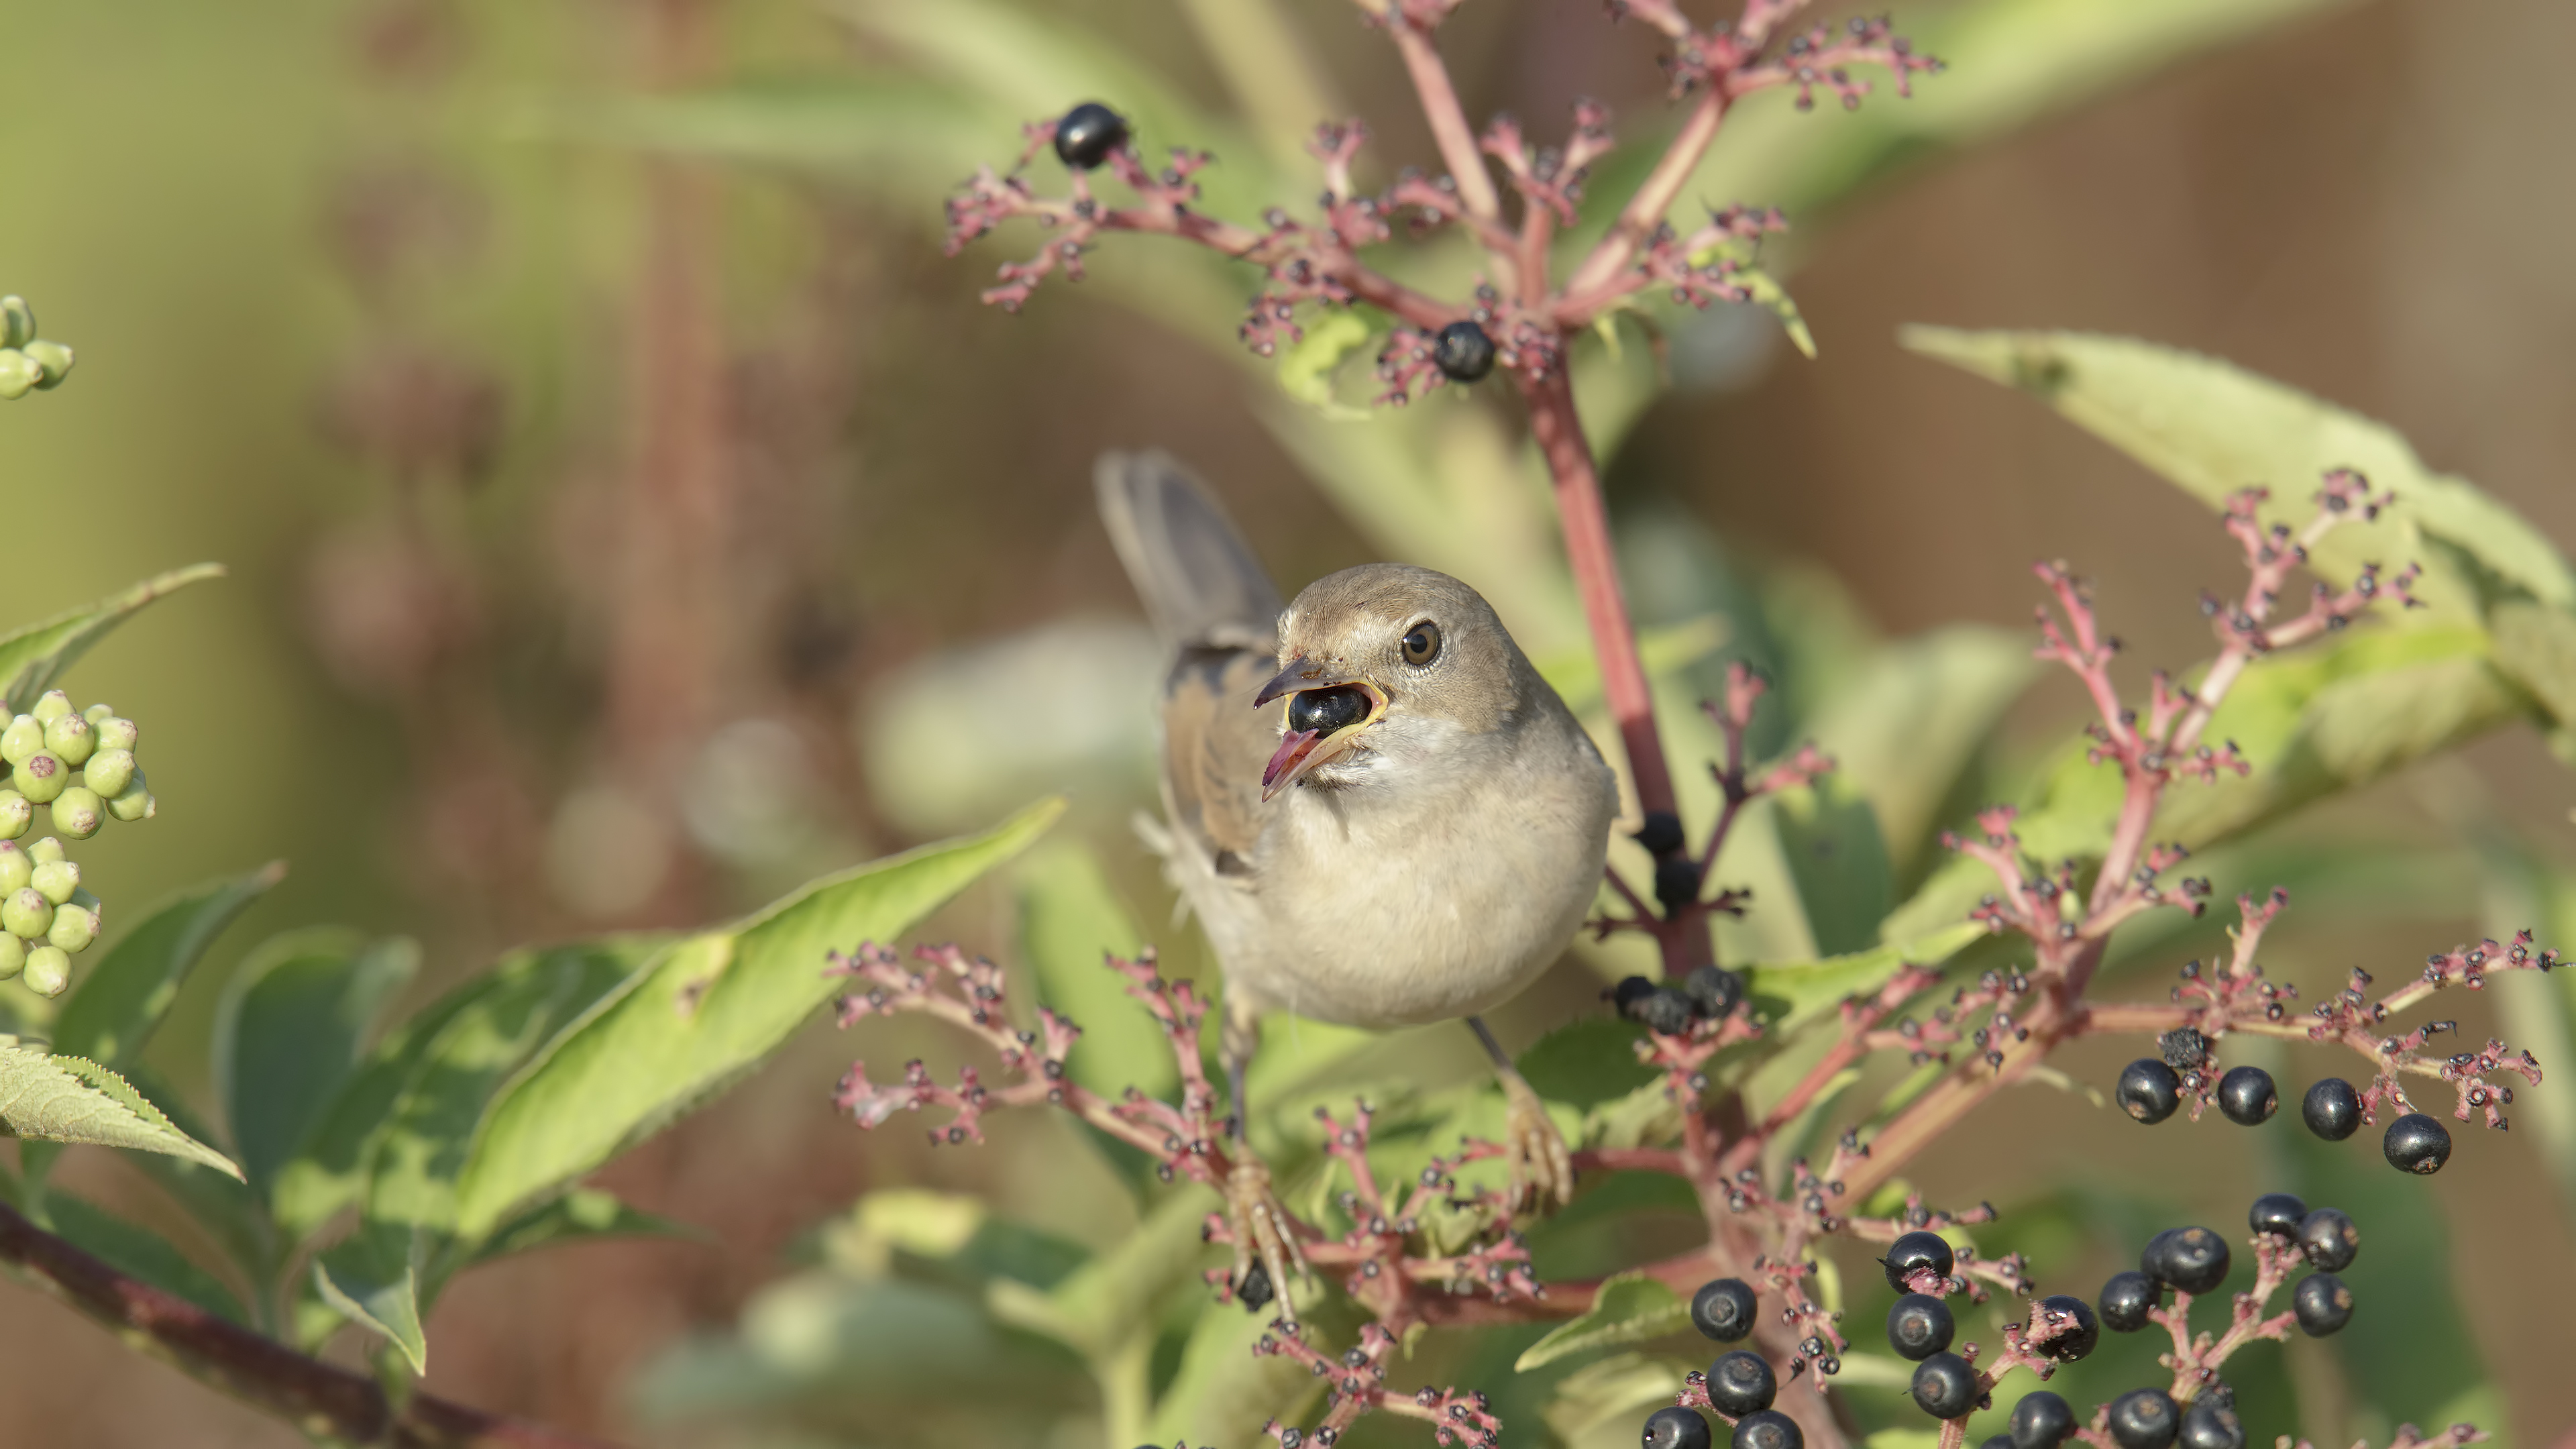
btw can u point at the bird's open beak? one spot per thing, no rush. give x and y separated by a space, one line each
1338 720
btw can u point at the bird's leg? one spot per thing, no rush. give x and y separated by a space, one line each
1253 1216
1542 1168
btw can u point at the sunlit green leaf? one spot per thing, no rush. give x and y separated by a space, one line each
113 1011
1070 918
34 656
1630 1308
288 1031
68 1099
373 1279
580 1216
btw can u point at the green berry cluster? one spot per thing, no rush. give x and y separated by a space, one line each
80 767
27 360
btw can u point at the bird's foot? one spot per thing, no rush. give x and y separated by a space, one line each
1265 1246
1542 1168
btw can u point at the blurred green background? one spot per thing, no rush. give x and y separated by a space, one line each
630 512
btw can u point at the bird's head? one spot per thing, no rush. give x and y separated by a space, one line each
1385 663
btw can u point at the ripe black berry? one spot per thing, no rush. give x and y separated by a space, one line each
2143 1419
2070 1322
1087 134
2277 1213
2332 1109
1255 1290
2041 1420
1919 1326
1630 990
1723 1309
1945 1386
2322 1304
1768 1429
2208 1424
2148 1090
2191 1259
2127 1300
2417 1144
2246 1095
1463 352
1663 1009
1660 832
2329 1239
1739 1383
1997 1441
1713 990
1913 1253
1676 1428
2183 1048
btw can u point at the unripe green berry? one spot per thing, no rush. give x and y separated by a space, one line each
16 814
73 929
72 738
51 706
41 776
55 880
49 970
13 956
24 736
135 804
18 373
109 772
53 358
78 812
115 733
44 850
17 321
15 868
27 914
98 713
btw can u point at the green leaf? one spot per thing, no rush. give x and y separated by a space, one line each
220 1203
288 1030
580 1216
373 1279
1630 1308
1829 836
113 1011
2536 644
1911 721
1070 917
704 1014
1767 292
67 1099
1308 367
2211 428
1619 1389
138 1252
34 656
1800 991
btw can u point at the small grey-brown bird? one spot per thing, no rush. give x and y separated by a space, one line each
1413 839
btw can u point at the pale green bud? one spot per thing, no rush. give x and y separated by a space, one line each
73 929
109 772
15 868
98 714
49 970
71 737
41 776
27 914
53 359
44 850
115 734
24 736
137 803
18 372
17 812
55 880
78 812
52 706
17 321
13 956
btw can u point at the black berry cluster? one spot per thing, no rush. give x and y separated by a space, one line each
1710 993
1740 1385
2152 1089
80 767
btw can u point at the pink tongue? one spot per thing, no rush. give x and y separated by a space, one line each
1292 748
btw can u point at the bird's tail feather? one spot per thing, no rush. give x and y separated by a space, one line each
1197 576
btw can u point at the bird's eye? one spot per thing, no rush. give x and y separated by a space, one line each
1422 644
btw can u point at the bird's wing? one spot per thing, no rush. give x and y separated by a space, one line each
1214 745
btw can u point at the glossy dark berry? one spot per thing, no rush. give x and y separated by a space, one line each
1741 1382
1087 134
2332 1109
1676 882
1660 833
1997 1441
2144 1419
2276 1213
1723 1309
2041 1420
1255 1290
2148 1090
2070 1324
2183 1048
2329 1239
2322 1303
1676 1428
2126 1301
1663 1009
1463 352
2211 1425
1630 990
1768 1429
1919 1326
1713 990
2417 1144
1913 1253
2191 1259
1945 1386
2247 1096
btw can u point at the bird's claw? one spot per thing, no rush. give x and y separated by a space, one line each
1542 1168
1262 1237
